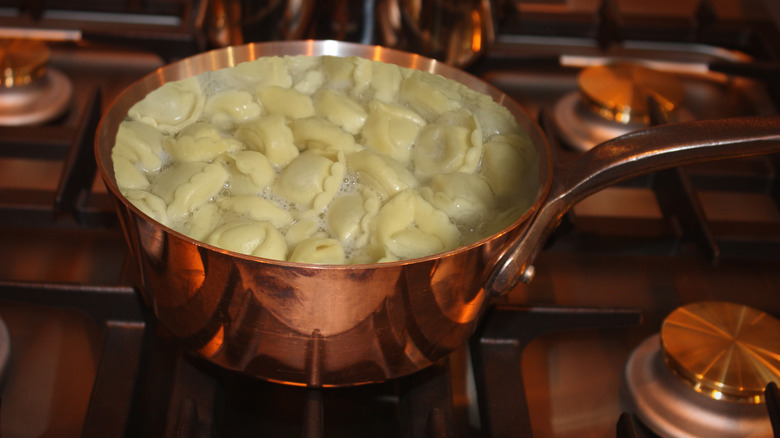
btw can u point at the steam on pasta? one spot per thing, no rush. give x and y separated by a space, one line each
325 159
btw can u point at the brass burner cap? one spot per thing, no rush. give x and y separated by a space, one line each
620 92
724 350
22 61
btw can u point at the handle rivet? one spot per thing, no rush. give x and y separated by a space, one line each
528 274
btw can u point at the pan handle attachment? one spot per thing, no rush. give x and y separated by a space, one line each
625 157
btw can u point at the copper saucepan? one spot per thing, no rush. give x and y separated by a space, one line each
326 325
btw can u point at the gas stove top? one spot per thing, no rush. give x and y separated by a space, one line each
87 359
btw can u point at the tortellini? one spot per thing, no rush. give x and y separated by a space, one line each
507 164
327 160
341 110
166 183
318 134
171 107
381 173
198 190
311 180
255 168
260 73
138 150
349 217
152 205
319 250
385 82
204 220
259 239
452 143
408 226
257 209
467 198
230 108
427 94
392 130
272 136
338 70
286 101
140 144
199 142
128 176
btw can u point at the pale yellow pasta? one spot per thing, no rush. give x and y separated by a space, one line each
303 228
425 94
262 72
338 70
349 217
506 164
467 198
128 175
391 129
310 82
203 221
272 136
171 107
441 149
494 119
200 188
140 144
152 205
299 66
310 180
381 173
199 141
408 227
166 183
465 118
340 110
344 215
321 250
286 101
239 183
258 209
320 135
256 166
385 82
231 107
260 239
361 76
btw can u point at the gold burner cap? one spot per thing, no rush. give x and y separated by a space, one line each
724 350
22 61
620 92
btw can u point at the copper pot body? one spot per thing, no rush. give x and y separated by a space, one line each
327 325
303 323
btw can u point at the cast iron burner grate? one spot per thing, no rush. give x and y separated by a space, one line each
69 204
202 400
117 312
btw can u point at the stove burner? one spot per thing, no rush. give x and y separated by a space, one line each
620 92
613 100
30 93
716 343
724 350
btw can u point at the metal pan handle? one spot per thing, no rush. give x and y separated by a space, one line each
620 159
